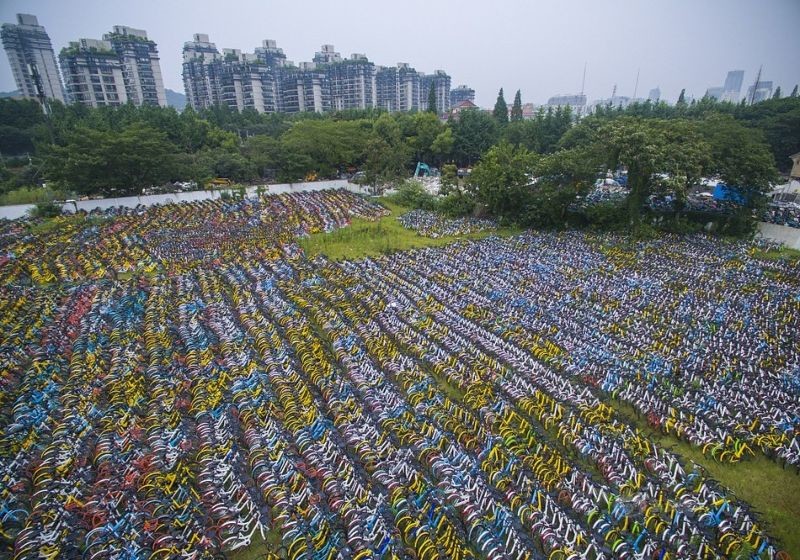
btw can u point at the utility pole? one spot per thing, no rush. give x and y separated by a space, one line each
636 87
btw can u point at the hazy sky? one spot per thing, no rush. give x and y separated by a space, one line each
535 46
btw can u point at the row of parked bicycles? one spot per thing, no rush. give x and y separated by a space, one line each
440 403
432 224
169 238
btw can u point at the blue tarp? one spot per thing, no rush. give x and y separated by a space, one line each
724 192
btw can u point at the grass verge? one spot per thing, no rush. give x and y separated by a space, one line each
784 253
364 238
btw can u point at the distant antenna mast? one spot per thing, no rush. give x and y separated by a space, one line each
583 83
614 92
636 87
755 85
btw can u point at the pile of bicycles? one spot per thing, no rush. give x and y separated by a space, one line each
432 404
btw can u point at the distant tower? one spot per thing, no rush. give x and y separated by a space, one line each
583 82
755 85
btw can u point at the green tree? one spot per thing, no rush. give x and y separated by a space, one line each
421 133
779 122
329 144
647 147
473 133
294 167
777 94
794 91
15 141
442 146
523 133
560 177
500 111
682 98
501 181
387 154
449 179
516 108
432 100
97 162
264 153
740 156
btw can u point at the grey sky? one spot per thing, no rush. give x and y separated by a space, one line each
537 47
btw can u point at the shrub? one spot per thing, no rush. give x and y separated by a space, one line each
413 195
610 216
47 209
456 205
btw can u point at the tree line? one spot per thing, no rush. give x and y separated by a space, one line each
120 151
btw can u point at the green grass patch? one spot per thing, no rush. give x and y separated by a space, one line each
365 238
774 492
31 195
259 548
784 253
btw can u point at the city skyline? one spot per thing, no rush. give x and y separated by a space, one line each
541 64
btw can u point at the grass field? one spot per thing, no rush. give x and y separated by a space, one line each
369 239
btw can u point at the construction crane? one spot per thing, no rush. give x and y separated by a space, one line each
422 170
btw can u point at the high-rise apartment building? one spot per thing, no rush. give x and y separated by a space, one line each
32 60
141 68
386 88
267 82
352 80
408 88
654 95
731 90
93 73
121 68
440 82
305 89
398 88
460 94
352 83
202 69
